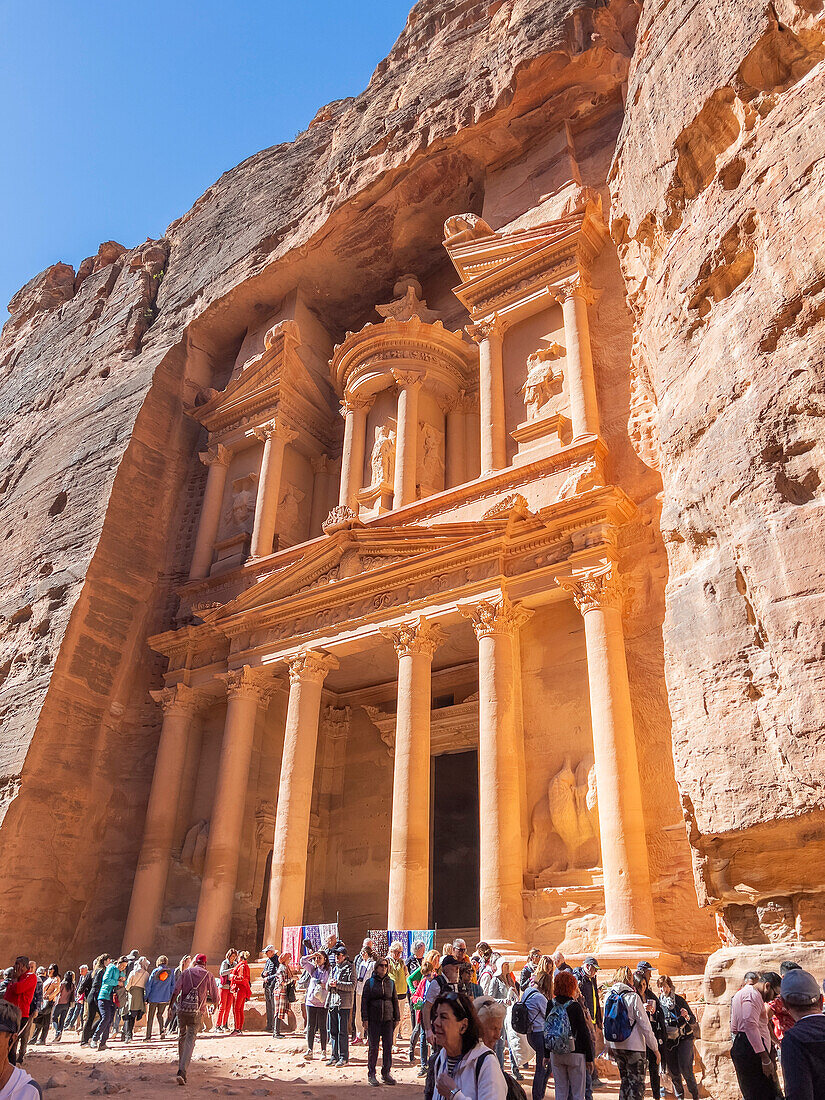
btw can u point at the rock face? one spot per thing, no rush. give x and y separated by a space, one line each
716 187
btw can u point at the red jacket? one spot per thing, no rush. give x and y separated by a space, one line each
21 992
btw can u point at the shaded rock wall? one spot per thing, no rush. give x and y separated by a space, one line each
717 185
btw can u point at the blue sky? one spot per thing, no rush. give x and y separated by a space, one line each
118 115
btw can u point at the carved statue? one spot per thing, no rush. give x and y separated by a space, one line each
408 303
289 513
241 512
193 852
381 459
542 379
564 827
431 464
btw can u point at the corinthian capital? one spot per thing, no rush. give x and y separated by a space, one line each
353 403
275 429
407 378
177 699
596 588
216 455
248 683
311 666
495 616
485 328
416 635
577 288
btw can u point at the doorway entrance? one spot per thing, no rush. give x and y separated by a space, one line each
455 841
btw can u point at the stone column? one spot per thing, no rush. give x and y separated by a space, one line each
246 692
489 335
406 442
354 410
149 886
290 846
630 932
275 436
217 458
415 642
496 622
320 495
581 383
456 439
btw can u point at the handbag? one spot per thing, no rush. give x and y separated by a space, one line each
291 995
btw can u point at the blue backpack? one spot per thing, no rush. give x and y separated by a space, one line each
617 1023
558 1035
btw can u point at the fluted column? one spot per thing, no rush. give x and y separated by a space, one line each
415 643
496 623
354 410
630 923
581 382
246 691
320 495
307 672
406 442
275 436
149 886
489 335
456 439
217 458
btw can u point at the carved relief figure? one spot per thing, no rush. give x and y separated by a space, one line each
193 852
430 463
382 457
542 379
564 827
289 514
240 514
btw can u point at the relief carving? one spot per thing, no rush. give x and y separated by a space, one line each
430 474
240 514
564 825
542 379
193 852
382 459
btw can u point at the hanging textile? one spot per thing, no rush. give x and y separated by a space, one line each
312 932
291 941
425 934
380 939
325 930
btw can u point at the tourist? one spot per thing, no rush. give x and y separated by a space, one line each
457 1033
529 968
241 987
779 1019
537 997
135 997
194 990
586 976
42 1022
92 1013
158 993
397 970
64 1003
224 981
485 967
37 1000
803 1046
503 989
316 965
570 1067
752 1048
362 968
558 960
678 1047
15 1083
414 973
460 952
441 982
429 969
171 1021
491 1016
339 1005
283 994
106 1001
641 982
380 1015
628 1034
467 983
74 1018
268 977
20 992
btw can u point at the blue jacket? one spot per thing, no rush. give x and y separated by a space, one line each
111 980
159 991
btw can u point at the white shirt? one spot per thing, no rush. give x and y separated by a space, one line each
19 1087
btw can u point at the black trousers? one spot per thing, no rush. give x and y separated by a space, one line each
380 1033
753 1084
92 1015
655 1080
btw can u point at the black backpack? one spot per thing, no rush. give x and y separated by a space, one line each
520 1014
514 1089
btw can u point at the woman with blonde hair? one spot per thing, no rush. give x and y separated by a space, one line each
397 970
241 986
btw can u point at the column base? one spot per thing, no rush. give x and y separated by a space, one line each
630 950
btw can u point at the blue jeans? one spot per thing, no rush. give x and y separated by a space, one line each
536 1041
74 1014
339 1033
107 1015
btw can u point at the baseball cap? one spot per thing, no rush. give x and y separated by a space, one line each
644 966
590 961
340 948
799 988
449 960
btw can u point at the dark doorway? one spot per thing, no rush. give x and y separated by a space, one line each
260 915
455 841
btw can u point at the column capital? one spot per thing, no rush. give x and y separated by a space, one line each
417 635
310 666
499 615
276 428
594 588
458 401
408 378
484 328
320 464
577 288
355 403
248 683
177 699
216 455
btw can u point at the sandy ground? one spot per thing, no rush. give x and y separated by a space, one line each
249 1065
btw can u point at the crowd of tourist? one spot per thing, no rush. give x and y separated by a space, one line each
471 1024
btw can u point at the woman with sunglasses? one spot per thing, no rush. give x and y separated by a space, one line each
465 1069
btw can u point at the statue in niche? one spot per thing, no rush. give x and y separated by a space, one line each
431 464
542 379
289 513
382 457
564 826
193 852
241 512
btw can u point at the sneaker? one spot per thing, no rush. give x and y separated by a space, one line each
102 1046
373 1080
342 1062
331 1062
181 1077
308 1056
388 1079
422 1072
357 1041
